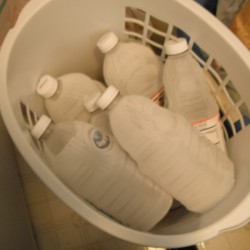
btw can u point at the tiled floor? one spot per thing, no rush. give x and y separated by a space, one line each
57 227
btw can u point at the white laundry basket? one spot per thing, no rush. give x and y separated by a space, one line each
59 36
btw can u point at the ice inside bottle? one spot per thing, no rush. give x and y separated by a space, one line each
169 151
64 98
131 67
94 166
187 91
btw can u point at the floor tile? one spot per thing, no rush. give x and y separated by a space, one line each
24 169
104 245
69 237
96 235
49 194
48 241
34 191
84 232
41 216
218 243
124 245
61 213
239 239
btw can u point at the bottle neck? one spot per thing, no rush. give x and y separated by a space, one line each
179 55
114 102
114 48
58 90
47 132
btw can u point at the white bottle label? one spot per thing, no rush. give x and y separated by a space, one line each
100 140
212 130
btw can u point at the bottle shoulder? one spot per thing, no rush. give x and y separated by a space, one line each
131 49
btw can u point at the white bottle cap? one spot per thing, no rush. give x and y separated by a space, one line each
107 42
107 97
90 102
41 126
176 47
47 86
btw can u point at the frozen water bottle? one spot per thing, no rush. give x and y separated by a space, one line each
187 91
64 98
169 150
93 165
131 67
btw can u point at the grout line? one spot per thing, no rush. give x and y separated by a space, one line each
229 242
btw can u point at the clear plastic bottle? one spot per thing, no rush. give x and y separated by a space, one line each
187 92
64 98
131 67
169 150
93 165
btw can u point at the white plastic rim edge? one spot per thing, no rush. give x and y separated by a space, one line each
235 218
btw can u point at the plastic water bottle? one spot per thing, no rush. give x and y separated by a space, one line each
169 150
64 98
187 92
131 67
93 165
